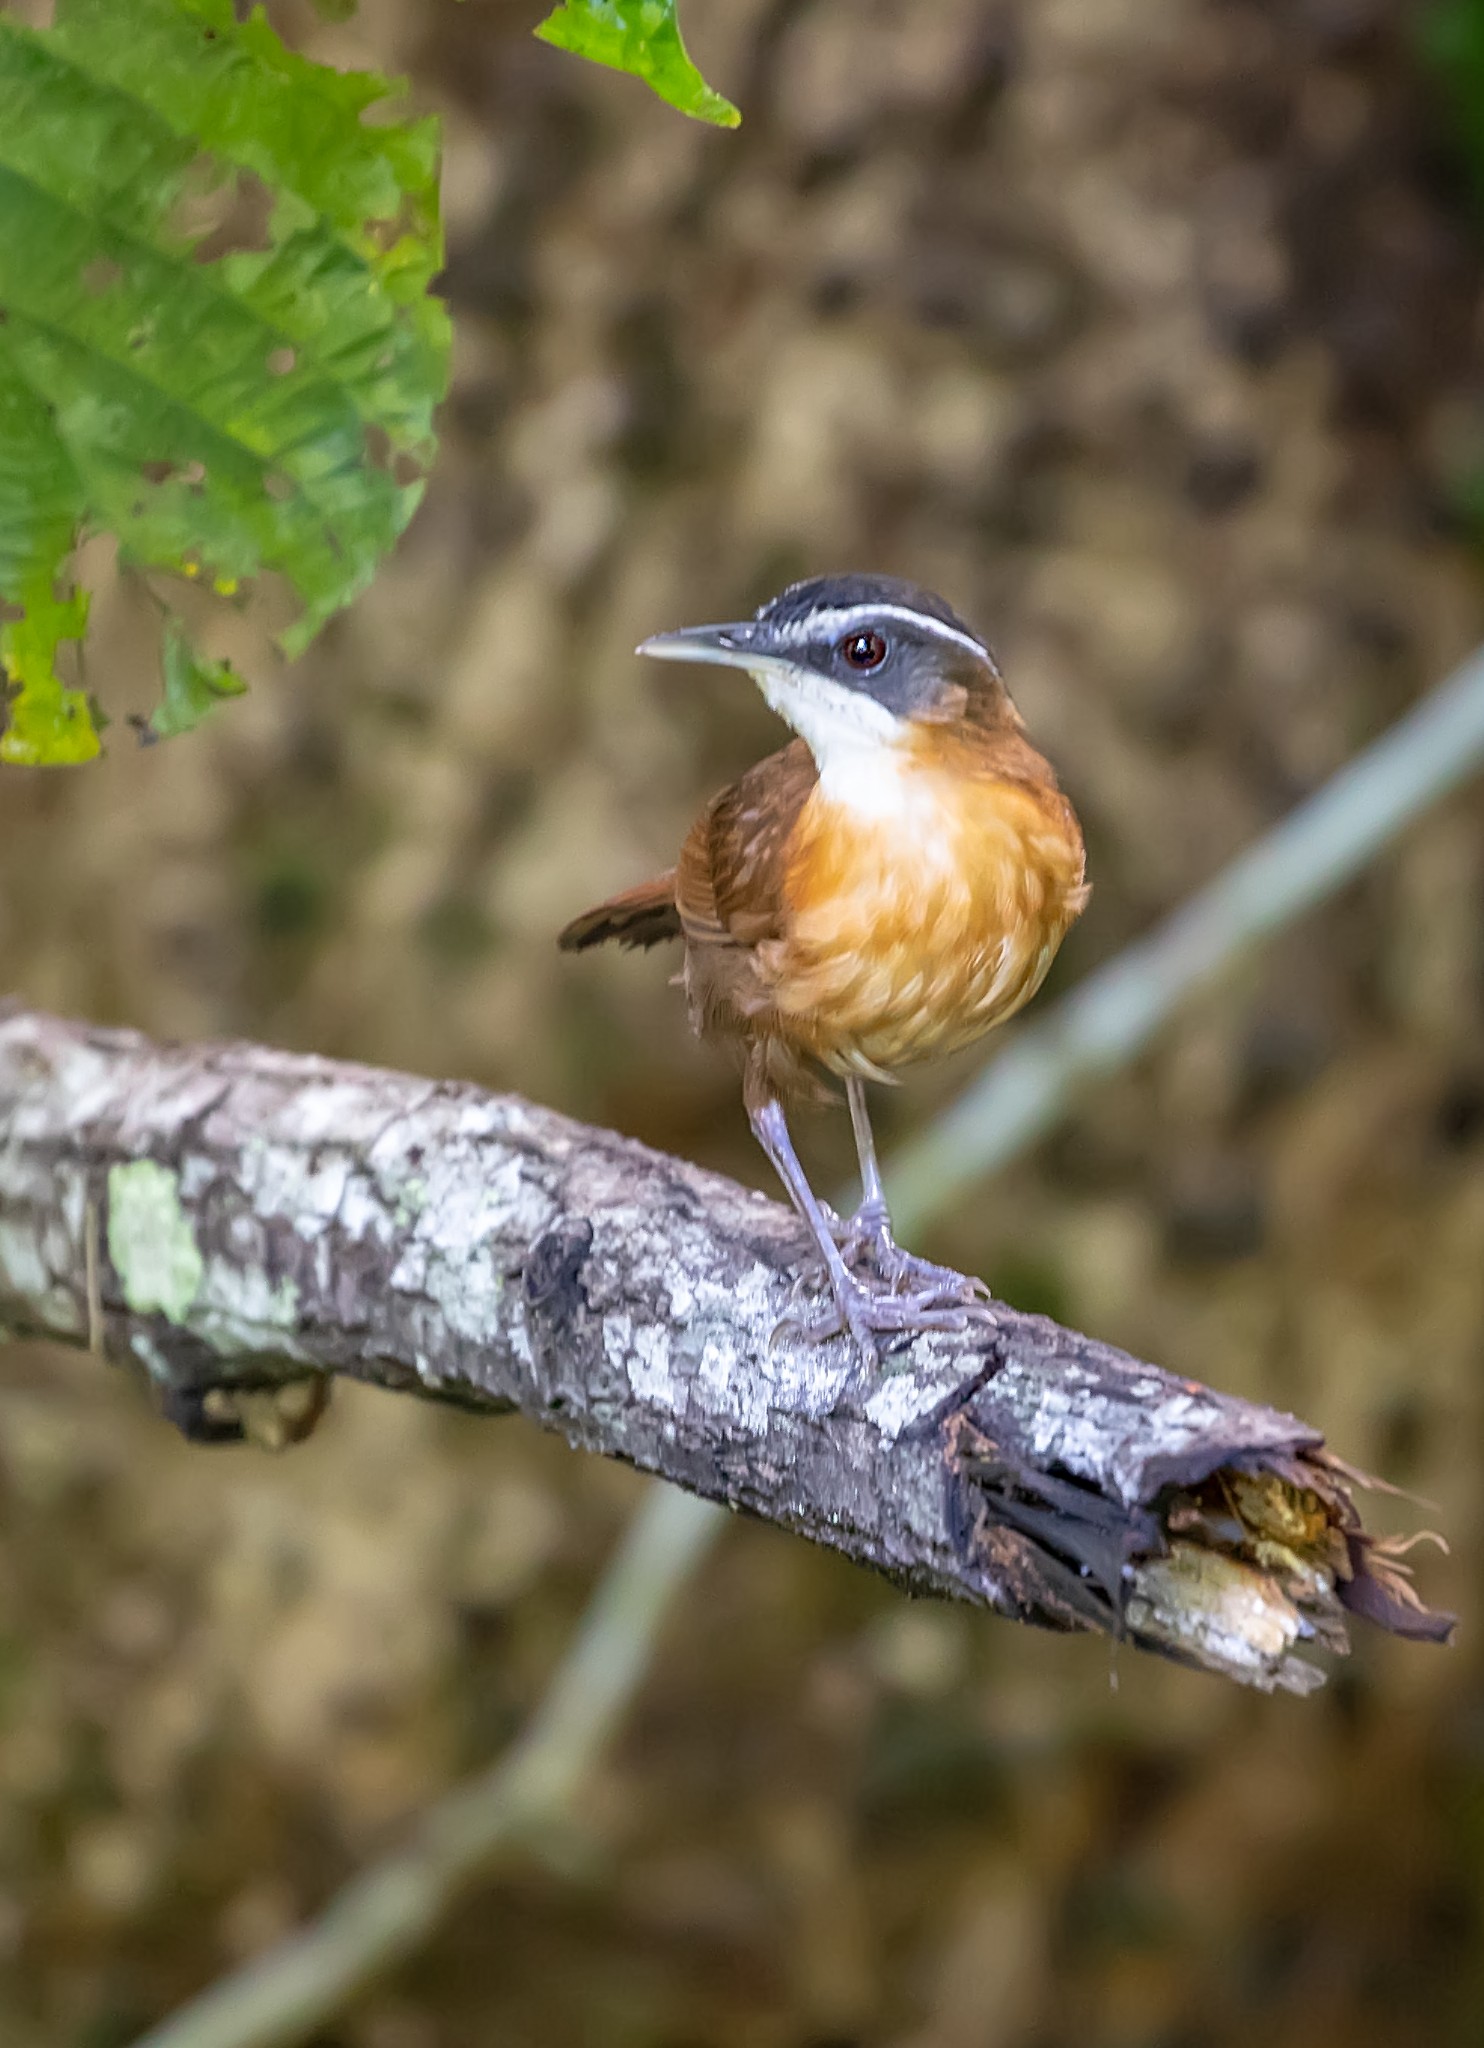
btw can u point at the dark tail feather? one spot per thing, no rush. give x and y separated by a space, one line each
639 917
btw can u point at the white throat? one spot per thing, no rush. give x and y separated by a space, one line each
857 743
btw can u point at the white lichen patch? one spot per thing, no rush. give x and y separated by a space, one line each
455 1248
331 1109
514 1203
474 1116
469 1293
1107 1438
281 1180
650 1373
730 1384
363 1213
240 1309
643 1355
150 1240
901 1400
753 1297
802 1378
23 1271
79 1075
410 1274
158 1101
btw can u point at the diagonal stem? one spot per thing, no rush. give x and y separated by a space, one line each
386 1913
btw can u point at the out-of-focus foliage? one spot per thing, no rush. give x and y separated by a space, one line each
641 36
217 340
1453 37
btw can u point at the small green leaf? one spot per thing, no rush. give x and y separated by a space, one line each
257 402
642 37
48 724
192 685
40 504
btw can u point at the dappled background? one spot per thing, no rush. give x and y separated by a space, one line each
1147 332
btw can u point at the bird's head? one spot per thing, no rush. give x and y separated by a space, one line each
854 661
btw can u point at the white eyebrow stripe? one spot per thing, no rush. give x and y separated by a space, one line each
838 619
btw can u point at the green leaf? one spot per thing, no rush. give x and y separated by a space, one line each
49 724
192 685
643 37
40 505
217 339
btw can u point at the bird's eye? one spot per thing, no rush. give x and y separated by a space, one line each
864 650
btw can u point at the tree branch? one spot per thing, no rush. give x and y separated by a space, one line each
234 1219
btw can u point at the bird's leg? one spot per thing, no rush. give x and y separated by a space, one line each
865 1312
871 1223
868 1232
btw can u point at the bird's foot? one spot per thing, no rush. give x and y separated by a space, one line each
868 1249
919 1297
867 1314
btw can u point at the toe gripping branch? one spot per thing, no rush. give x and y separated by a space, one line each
1225 1561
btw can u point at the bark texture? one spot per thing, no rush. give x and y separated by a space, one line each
239 1221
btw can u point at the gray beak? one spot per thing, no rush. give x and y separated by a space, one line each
738 646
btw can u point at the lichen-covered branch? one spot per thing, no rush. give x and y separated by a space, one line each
236 1220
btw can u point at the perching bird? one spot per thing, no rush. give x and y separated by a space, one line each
890 886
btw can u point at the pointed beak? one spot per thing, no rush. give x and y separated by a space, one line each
738 646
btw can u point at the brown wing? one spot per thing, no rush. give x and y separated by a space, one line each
727 890
729 886
642 916
730 877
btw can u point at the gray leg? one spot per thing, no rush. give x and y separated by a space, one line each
873 1194
867 1235
862 1310
770 1128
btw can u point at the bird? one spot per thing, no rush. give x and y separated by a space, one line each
889 886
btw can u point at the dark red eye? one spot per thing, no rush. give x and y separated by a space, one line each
864 650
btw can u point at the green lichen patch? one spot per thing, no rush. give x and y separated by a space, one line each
150 1240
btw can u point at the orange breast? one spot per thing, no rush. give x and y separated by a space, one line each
925 905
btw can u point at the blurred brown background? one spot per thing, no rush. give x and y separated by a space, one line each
1145 330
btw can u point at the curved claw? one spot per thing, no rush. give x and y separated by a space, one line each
908 1273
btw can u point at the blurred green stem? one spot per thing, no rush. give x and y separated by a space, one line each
380 1918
